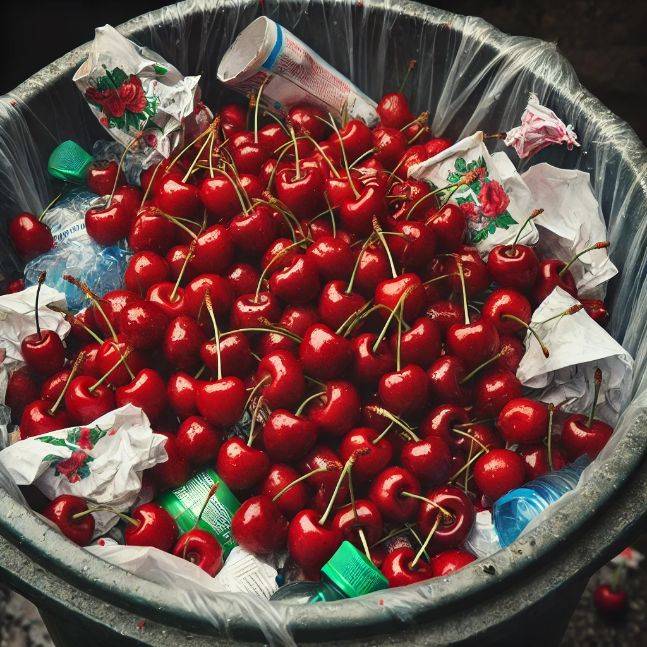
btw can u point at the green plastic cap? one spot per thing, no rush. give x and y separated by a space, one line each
69 162
353 573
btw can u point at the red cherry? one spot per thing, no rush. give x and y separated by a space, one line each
283 379
259 526
234 118
247 154
296 283
369 366
370 457
549 277
449 226
477 278
449 561
22 389
182 341
536 460
372 269
511 352
493 390
333 257
394 111
609 600
300 191
453 510
147 391
29 236
420 344
38 419
288 437
498 472
364 516
404 392
306 120
144 269
151 231
389 291
310 544
474 342
176 257
176 197
437 145
169 298
445 381
142 324
477 436
415 244
579 438
218 193
272 137
337 409
107 225
323 353
398 571
513 266
248 311
176 470
337 305
253 231
198 441
445 314
112 304
596 309
43 352
292 500
413 196
428 459
502 305
214 250
181 390
356 214
356 138
200 548
222 401
523 420
156 528
243 278
101 177
235 355
386 492
390 144
241 466
62 511
441 420
219 290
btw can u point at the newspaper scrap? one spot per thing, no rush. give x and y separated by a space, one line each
132 90
496 203
571 222
265 52
101 462
578 345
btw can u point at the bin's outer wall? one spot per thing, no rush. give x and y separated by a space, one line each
474 604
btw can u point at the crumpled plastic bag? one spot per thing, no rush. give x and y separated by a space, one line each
577 345
243 572
571 222
101 462
17 318
131 89
496 203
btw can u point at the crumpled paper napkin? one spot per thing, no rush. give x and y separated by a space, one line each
101 462
577 345
572 221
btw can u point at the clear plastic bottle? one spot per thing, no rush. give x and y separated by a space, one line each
516 509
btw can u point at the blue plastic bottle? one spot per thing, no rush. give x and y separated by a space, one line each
516 509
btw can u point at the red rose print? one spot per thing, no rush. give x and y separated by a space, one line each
70 466
132 95
470 210
493 199
85 440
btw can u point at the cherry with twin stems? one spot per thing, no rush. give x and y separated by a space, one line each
43 351
555 273
221 401
586 435
335 409
72 516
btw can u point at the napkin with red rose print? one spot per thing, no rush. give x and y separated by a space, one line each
101 462
496 202
131 89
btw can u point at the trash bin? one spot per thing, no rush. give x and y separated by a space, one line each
469 76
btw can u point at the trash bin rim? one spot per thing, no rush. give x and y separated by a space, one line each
28 530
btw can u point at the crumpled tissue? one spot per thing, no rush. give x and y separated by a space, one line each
577 345
571 222
496 203
101 462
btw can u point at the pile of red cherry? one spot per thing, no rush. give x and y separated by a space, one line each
293 273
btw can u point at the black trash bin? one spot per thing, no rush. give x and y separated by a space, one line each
469 76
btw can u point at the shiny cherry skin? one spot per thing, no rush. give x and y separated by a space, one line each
389 291
176 470
473 342
219 290
292 500
440 420
22 388
302 192
38 419
596 309
147 391
200 548
512 350
107 225
235 355
610 601
523 421
453 528
336 304
390 144
306 120
198 440
333 257
386 492
449 561
393 109
337 410
259 526
288 437
428 459
513 267
369 366
178 198
151 231
240 466
181 391
445 314
101 177
370 457
397 569
493 390
283 379
168 298
84 405
253 231
548 278
323 353
445 381
372 269
214 250
62 510
144 269
143 323
297 283
310 544
536 460
404 392
415 245
449 226
498 472
475 272
420 345
218 193
504 302
365 516
248 311
156 528
243 279
29 236
578 438
323 483
43 353
182 341
221 401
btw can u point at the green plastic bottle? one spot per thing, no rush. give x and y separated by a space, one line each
185 502
348 574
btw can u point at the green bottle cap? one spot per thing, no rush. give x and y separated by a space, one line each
185 502
353 573
69 162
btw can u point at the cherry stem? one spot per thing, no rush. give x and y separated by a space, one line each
377 439
257 408
466 435
385 413
422 118
333 224
365 154
216 332
210 138
533 332
212 491
178 223
392 314
425 543
258 102
72 319
73 371
101 508
360 530
266 269
345 470
113 368
310 398
549 443
534 214
353 274
41 279
150 184
95 301
352 317
439 278
398 348
343 154
569 311
327 159
254 389
380 234
597 379
121 165
279 331
393 533
297 169
444 511
50 205
480 367
461 275
185 264
240 191
410 67
602 245
296 481
195 140
467 465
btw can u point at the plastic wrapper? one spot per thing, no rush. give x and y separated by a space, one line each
470 77
131 89
101 462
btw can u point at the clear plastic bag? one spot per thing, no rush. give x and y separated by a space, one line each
469 77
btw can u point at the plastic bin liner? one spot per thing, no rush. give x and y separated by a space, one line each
469 77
